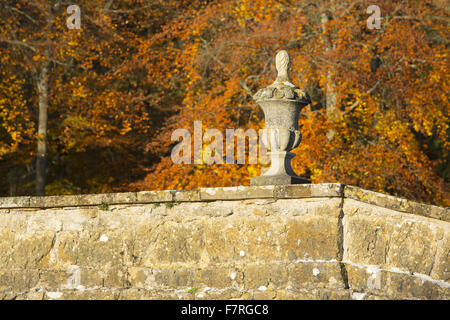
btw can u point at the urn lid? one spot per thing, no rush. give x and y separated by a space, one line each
282 88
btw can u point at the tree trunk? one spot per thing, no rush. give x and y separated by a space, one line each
41 160
330 90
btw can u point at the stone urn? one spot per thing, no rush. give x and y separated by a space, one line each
281 103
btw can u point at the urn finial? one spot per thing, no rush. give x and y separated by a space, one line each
282 63
281 102
282 88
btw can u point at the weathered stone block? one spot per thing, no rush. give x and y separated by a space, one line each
154 196
313 294
216 277
315 275
82 200
7 242
373 281
394 203
18 280
94 249
193 195
237 193
139 277
15 202
248 235
311 237
53 280
74 200
263 275
383 237
144 294
115 277
175 277
54 201
281 179
31 250
96 294
17 223
326 190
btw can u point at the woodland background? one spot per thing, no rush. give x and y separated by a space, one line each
92 110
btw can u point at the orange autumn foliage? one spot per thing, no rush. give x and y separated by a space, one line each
390 87
137 70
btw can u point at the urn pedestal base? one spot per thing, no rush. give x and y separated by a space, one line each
280 171
277 180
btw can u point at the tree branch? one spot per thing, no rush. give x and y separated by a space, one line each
19 43
22 13
356 103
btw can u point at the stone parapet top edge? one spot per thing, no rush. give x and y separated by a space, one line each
321 190
397 204
203 194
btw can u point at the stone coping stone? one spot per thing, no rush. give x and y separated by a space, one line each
237 193
81 200
320 190
15 202
325 190
328 190
397 204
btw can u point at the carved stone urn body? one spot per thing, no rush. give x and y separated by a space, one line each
281 103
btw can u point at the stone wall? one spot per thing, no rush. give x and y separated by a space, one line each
320 241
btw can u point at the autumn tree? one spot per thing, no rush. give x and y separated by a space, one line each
75 86
382 93
138 70
31 34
